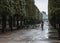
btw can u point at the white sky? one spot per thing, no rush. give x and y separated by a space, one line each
42 5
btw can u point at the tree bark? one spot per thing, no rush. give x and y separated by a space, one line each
10 22
3 23
17 21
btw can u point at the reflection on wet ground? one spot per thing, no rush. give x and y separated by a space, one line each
29 36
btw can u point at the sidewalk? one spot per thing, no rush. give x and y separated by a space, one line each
28 36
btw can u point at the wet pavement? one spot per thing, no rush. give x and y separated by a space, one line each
35 35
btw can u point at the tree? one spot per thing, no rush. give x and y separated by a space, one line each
53 7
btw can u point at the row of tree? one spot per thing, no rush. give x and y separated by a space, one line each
54 12
17 13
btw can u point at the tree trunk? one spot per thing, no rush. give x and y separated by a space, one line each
17 21
14 22
10 22
3 23
21 21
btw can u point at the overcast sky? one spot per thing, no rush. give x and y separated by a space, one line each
42 5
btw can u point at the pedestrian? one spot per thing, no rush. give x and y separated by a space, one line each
42 25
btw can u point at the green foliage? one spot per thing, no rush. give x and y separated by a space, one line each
54 11
26 8
6 6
